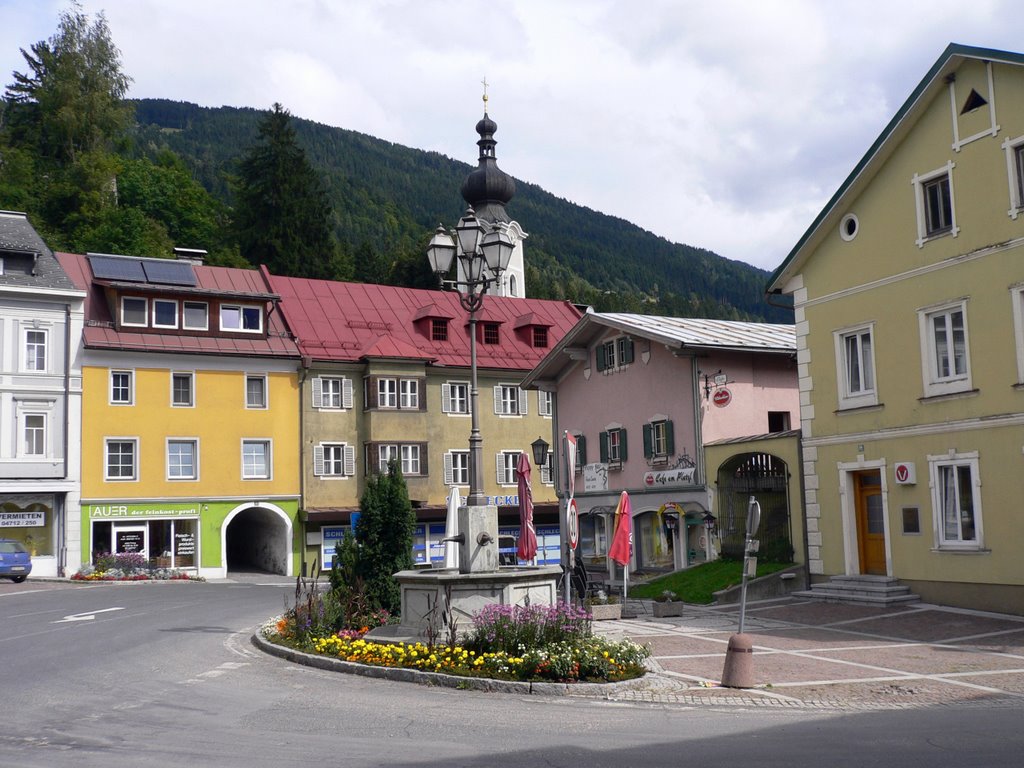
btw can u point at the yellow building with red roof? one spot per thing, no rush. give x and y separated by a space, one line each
190 452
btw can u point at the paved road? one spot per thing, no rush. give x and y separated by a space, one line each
164 675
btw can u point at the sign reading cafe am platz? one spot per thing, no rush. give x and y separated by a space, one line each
678 476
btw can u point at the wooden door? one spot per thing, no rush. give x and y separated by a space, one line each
870 523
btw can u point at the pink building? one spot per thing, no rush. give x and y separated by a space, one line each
643 395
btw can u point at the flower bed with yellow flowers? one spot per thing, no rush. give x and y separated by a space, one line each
592 660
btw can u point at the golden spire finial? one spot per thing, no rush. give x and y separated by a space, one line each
484 81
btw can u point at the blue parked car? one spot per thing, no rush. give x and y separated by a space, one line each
15 561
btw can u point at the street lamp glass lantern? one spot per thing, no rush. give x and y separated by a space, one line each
540 451
441 251
497 247
469 231
709 521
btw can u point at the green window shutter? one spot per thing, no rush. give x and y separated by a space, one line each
670 440
601 362
648 440
581 450
622 445
603 440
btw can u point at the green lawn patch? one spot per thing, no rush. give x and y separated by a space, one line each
697 584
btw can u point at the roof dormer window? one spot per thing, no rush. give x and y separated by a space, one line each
134 311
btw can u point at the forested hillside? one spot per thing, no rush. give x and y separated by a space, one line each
388 198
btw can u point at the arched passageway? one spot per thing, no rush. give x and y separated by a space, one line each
257 539
765 477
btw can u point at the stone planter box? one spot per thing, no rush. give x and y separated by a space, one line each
606 612
664 610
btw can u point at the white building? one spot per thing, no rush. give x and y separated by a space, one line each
40 400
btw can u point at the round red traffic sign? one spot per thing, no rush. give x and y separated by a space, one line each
573 521
722 397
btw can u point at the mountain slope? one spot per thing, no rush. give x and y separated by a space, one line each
392 197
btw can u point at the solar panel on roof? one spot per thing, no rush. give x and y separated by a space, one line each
169 272
110 268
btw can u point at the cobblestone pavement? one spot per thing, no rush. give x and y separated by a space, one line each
812 654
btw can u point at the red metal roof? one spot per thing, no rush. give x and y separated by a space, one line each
100 332
335 321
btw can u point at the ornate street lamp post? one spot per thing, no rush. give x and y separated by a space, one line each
481 258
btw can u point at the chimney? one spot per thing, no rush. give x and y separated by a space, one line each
194 256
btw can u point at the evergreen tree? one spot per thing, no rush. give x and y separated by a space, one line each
385 536
282 212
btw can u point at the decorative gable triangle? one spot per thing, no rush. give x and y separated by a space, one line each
974 101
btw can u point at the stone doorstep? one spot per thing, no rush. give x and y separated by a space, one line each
846 597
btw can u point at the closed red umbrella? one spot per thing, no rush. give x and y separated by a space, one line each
527 548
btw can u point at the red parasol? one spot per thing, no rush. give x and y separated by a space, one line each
527 548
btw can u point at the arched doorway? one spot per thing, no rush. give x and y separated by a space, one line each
257 537
767 478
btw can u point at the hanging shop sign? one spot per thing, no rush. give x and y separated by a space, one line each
722 397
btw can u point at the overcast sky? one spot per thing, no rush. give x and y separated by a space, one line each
725 125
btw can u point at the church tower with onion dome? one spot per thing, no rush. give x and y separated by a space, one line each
488 189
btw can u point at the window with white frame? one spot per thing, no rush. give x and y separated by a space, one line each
333 392
956 501
245 318
182 459
165 313
410 459
195 315
134 310
855 367
122 390
614 353
936 209
506 462
183 390
256 459
456 468
1014 149
659 440
409 393
334 460
34 434
509 400
120 462
35 350
613 446
544 403
387 393
455 397
386 452
944 349
255 391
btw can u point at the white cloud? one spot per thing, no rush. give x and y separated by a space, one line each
723 125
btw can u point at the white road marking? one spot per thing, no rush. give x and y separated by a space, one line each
86 616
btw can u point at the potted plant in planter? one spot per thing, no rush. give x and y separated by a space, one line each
603 607
667 605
